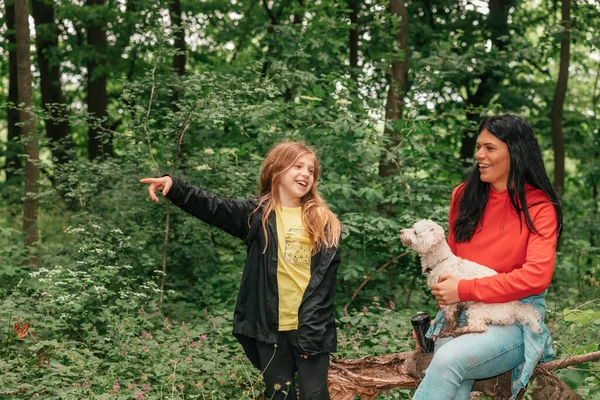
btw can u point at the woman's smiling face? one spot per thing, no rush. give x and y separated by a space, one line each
493 159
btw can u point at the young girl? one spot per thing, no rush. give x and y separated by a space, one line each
284 312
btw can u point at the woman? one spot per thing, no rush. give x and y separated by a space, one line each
507 216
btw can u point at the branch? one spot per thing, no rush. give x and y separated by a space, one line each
370 376
166 240
147 117
372 276
567 362
186 126
538 68
270 13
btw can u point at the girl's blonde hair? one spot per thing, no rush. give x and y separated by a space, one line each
321 223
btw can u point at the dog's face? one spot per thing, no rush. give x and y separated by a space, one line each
423 236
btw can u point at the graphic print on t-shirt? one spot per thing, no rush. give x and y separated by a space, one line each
297 246
294 249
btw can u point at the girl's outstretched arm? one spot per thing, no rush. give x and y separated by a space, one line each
230 215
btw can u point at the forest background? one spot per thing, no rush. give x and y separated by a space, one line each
104 294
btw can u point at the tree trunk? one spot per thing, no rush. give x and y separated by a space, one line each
179 59
398 85
497 22
13 145
370 376
558 140
53 100
99 140
595 127
28 130
353 38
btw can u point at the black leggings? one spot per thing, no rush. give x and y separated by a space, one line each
280 364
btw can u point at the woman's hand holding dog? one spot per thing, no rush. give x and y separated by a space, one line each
446 290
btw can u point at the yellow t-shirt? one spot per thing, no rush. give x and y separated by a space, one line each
293 265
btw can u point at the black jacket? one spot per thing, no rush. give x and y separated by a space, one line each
256 316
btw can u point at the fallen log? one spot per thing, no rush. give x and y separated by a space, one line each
369 376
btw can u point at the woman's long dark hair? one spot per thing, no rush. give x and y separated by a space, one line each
526 166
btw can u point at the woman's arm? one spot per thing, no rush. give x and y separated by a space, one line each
532 278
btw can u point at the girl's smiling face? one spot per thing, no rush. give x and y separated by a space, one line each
297 181
493 159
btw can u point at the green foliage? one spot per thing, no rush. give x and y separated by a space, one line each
374 330
258 73
97 331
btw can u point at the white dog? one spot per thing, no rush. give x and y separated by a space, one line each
428 239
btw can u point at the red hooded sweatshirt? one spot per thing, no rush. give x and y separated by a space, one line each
524 260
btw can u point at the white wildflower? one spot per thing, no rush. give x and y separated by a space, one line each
74 230
203 167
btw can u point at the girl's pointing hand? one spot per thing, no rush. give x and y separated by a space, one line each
162 184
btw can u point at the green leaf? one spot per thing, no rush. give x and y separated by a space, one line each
583 317
573 378
311 98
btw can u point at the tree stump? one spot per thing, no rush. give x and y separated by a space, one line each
369 376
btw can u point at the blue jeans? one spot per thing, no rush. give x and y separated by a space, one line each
458 362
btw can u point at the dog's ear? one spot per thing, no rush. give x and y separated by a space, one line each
437 235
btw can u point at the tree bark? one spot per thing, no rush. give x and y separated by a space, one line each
497 23
28 130
13 145
179 59
370 376
595 157
99 141
58 128
353 38
398 84
558 140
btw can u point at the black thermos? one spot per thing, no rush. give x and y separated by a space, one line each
420 323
